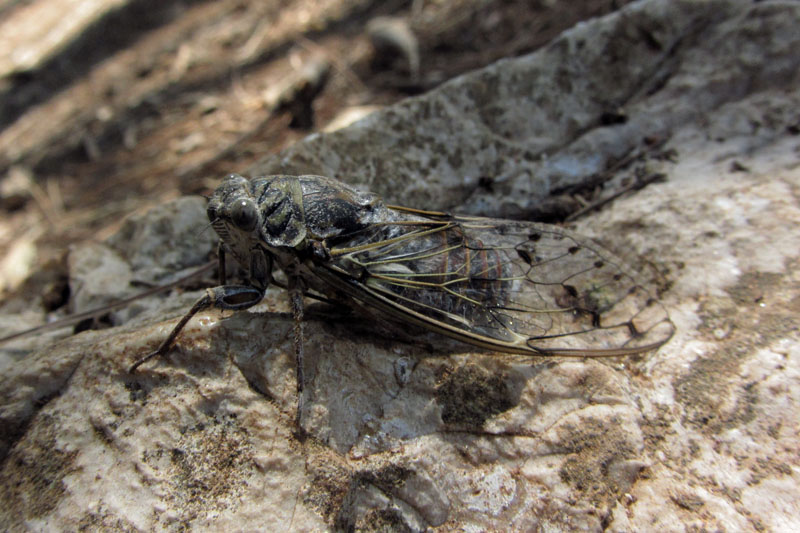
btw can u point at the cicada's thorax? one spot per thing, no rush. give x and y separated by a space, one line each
299 211
283 216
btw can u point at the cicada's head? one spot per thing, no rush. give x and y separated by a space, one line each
246 213
234 215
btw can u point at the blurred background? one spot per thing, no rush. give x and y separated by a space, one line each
110 107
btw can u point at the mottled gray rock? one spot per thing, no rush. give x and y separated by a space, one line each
152 248
501 140
98 276
701 434
170 238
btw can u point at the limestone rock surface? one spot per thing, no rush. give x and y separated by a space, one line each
428 434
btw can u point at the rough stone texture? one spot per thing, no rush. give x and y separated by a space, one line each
702 434
533 126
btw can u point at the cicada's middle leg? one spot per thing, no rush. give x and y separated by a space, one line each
296 290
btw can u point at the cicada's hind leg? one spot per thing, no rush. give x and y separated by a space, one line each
296 301
231 297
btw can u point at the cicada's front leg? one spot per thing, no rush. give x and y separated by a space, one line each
231 297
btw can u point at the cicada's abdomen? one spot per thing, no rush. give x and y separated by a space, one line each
473 272
444 275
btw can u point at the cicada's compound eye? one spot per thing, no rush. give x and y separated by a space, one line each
244 214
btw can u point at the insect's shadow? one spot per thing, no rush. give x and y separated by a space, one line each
367 384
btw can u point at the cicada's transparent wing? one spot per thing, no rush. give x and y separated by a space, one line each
512 286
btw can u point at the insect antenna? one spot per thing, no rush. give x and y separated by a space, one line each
98 311
205 228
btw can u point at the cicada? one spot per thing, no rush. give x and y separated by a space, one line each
505 285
